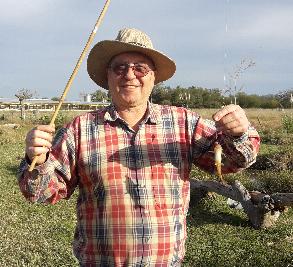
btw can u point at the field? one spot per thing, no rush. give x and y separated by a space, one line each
41 235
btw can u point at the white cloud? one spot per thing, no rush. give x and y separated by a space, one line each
15 11
270 23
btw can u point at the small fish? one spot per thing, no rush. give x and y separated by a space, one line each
218 160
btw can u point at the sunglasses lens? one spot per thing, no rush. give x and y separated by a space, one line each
120 69
138 69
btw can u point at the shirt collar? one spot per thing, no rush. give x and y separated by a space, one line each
111 114
152 114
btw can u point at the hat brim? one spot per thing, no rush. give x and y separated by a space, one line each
101 54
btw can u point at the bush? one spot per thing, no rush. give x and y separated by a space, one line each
10 135
275 137
287 122
274 182
60 120
282 160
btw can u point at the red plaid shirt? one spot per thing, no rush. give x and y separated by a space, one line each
133 186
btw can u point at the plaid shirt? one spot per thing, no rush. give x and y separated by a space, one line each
133 186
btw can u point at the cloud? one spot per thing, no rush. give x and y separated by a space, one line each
263 25
15 11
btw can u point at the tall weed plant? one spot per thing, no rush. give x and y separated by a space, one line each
287 122
60 120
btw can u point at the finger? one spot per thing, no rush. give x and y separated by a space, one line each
234 123
40 142
236 131
42 135
36 151
228 119
236 117
34 134
41 128
225 111
46 128
237 125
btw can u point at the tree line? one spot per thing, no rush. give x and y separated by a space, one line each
199 97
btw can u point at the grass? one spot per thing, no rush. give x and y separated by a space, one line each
219 236
31 234
41 235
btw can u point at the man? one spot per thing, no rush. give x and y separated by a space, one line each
131 160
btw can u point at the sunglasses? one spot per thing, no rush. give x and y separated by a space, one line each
139 69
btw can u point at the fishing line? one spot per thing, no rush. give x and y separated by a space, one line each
226 52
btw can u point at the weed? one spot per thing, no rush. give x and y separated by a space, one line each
60 120
287 122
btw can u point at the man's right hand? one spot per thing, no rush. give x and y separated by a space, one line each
38 142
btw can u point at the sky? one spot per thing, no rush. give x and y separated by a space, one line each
41 42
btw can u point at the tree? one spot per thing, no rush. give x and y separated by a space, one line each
23 94
232 89
284 98
180 97
161 94
100 96
55 98
197 99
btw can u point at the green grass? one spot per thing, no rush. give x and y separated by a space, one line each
41 235
220 236
31 234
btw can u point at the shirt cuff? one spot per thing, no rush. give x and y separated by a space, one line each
27 159
29 162
240 139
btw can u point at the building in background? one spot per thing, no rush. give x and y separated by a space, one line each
48 104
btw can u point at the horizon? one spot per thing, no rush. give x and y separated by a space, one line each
81 97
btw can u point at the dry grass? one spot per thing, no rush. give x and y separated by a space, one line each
260 118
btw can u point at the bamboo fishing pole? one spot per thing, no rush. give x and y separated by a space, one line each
67 87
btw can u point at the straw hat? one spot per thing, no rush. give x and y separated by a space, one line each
128 40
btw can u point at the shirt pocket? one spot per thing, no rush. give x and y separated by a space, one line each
167 187
110 186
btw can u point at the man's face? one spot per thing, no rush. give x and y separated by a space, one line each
127 89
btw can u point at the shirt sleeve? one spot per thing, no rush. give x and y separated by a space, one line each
56 178
238 152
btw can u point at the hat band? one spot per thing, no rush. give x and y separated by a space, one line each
139 44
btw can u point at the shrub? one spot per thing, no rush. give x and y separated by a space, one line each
60 120
281 160
10 135
275 137
274 181
287 122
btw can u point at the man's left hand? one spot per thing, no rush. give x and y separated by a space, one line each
231 120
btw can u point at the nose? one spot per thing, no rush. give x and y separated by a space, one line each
129 74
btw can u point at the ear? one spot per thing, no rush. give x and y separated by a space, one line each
108 71
154 75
